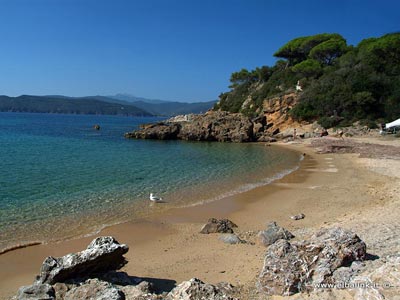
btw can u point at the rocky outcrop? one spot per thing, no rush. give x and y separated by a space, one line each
158 131
218 226
195 289
212 126
300 266
272 233
103 254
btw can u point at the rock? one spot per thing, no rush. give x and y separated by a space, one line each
195 289
218 226
103 254
218 126
346 274
37 292
231 238
385 278
266 138
158 131
298 266
273 233
94 289
142 291
212 126
61 289
119 278
298 217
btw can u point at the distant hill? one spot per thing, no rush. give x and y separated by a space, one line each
68 105
131 98
175 108
162 107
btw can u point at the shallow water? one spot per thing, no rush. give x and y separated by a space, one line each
60 178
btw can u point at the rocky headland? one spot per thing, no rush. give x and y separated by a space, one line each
274 123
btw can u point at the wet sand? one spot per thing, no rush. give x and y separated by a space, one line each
168 248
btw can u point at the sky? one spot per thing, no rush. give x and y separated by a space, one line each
181 50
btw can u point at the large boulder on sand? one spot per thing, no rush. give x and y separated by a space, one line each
272 233
300 266
103 254
218 226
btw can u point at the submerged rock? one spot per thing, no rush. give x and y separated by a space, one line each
103 254
218 226
299 266
273 233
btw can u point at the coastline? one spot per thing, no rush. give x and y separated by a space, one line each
168 248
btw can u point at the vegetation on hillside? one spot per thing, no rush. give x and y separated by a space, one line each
341 83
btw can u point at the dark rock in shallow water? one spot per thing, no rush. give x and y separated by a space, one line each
36 292
218 226
103 254
273 233
299 266
195 289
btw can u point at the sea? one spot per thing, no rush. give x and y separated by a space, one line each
61 179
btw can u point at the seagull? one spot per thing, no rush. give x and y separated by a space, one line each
154 198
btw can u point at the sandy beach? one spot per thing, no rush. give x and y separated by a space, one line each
330 189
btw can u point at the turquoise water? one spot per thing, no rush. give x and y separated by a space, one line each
60 178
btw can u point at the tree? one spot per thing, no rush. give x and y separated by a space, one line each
298 50
238 78
328 51
308 68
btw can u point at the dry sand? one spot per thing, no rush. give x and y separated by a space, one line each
329 189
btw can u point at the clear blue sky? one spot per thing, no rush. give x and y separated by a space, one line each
172 49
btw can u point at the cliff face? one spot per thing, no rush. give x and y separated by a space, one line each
276 110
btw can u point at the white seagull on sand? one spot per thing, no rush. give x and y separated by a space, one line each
154 198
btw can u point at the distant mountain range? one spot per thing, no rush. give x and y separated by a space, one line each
60 104
161 107
120 104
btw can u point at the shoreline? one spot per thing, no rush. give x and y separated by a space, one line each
171 249
53 228
89 226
